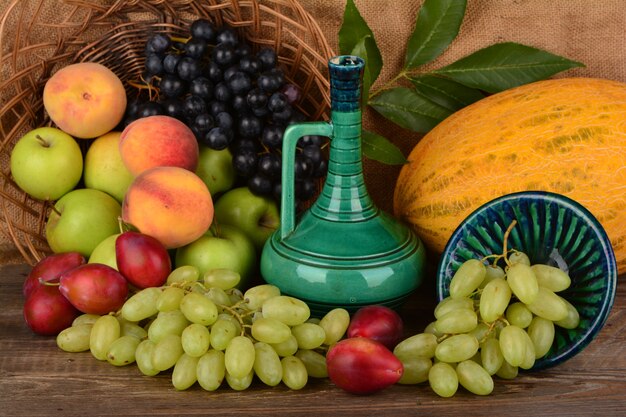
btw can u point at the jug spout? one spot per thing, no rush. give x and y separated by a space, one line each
343 251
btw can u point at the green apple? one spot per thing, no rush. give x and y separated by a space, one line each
256 216
215 168
46 163
222 246
104 253
81 219
104 169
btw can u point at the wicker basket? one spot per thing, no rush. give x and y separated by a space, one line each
39 37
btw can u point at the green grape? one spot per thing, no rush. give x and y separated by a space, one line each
129 328
239 356
122 351
184 374
270 330
267 364
75 338
222 333
491 357
541 332
548 305
314 362
494 299
232 319
196 340
289 310
492 272
170 299
416 369
522 281
482 332
449 304
513 344
467 278
421 345
104 332
166 352
457 321
143 357
141 305
313 320
432 329
198 309
183 274
222 278
443 379
166 323
235 295
219 298
518 314
335 324
210 370
551 277
85 318
518 257
240 383
257 295
457 348
507 371
474 378
529 357
295 375
572 320
287 348
309 335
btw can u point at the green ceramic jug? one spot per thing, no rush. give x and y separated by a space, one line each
343 251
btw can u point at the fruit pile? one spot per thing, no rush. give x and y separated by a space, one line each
231 98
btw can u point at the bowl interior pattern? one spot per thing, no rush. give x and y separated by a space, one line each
547 224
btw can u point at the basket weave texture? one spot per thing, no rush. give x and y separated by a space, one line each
38 37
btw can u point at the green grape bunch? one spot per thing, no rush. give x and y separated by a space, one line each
205 331
495 321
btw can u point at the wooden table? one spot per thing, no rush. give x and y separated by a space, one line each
38 379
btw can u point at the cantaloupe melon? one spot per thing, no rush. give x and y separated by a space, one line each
563 135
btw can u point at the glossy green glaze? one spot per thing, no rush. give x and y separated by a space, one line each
343 251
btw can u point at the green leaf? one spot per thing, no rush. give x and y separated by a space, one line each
445 92
365 49
437 25
353 28
378 148
408 109
505 65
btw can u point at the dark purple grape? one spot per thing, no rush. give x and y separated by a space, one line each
224 120
250 65
170 62
149 108
310 140
305 189
292 92
154 64
214 72
270 165
228 72
277 102
240 104
202 87
224 55
173 108
171 86
260 185
188 68
267 58
249 126
269 82
216 107
222 92
196 47
303 168
257 98
193 106
218 138
243 50
313 152
227 36
239 83
261 113
204 122
283 116
244 162
203 29
272 136
158 44
321 169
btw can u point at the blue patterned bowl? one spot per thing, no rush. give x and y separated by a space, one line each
546 223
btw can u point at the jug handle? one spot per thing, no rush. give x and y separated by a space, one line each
290 140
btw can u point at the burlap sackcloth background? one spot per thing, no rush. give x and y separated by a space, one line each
589 31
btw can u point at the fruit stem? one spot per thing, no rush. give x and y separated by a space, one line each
42 141
48 283
506 239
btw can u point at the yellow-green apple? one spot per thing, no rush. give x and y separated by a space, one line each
104 169
224 246
215 167
156 141
81 219
104 253
46 163
85 99
256 216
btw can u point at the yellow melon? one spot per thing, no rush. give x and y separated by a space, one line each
565 135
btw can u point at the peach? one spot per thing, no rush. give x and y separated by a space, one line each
171 204
85 100
158 141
